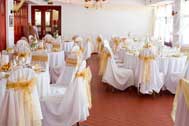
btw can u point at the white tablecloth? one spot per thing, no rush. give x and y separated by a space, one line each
56 59
67 46
167 65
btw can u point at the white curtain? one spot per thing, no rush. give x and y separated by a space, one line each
184 27
163 29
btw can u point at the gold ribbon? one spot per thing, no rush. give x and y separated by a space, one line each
23 54
39 58
86 74
147 67
116 41
103 62
26 87
72 62
184 88
99 44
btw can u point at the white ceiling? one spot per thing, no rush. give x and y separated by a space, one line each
128 2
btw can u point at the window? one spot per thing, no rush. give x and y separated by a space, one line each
185 23
163 29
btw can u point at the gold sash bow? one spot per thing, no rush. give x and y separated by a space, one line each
86 74
23 54
103 62
116 41
147 67
184 88
39 58
26 87
72 62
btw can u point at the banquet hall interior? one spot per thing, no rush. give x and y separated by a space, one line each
94 62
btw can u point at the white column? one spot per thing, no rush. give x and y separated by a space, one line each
177 23
9 21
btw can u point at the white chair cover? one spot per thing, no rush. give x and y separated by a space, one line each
48 38
155 82
22 42
114 75
88 49
67 109
13 110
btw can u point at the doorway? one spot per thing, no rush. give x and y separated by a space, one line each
47 19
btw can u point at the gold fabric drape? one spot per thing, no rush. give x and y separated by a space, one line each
22 54
26 87
87 75
99 44
147 67
103 62
39 58
72 62
184 88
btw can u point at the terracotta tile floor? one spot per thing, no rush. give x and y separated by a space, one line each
126 108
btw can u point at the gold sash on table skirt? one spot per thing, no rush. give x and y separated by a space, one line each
147 67
26 87
184 88
87 75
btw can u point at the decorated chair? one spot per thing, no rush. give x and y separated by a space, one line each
67 73
113 73
21 106
48 38
22 42
147 76
73 106
99 43
180 113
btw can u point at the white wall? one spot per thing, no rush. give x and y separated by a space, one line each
9 29
118 19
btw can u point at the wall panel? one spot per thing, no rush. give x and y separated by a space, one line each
2 24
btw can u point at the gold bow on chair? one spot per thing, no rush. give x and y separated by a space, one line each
72 62
147 67
116 41
87 75
26 88
99 44
23 54
103 62
184 88
39 58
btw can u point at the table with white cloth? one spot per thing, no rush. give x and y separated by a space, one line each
169 65
56 59
67 46
166 64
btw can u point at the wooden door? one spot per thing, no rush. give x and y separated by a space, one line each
47 19
20 22
2 24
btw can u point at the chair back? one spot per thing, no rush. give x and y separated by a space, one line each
40 58
21 105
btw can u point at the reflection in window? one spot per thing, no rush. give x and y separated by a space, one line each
48 18
37 18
